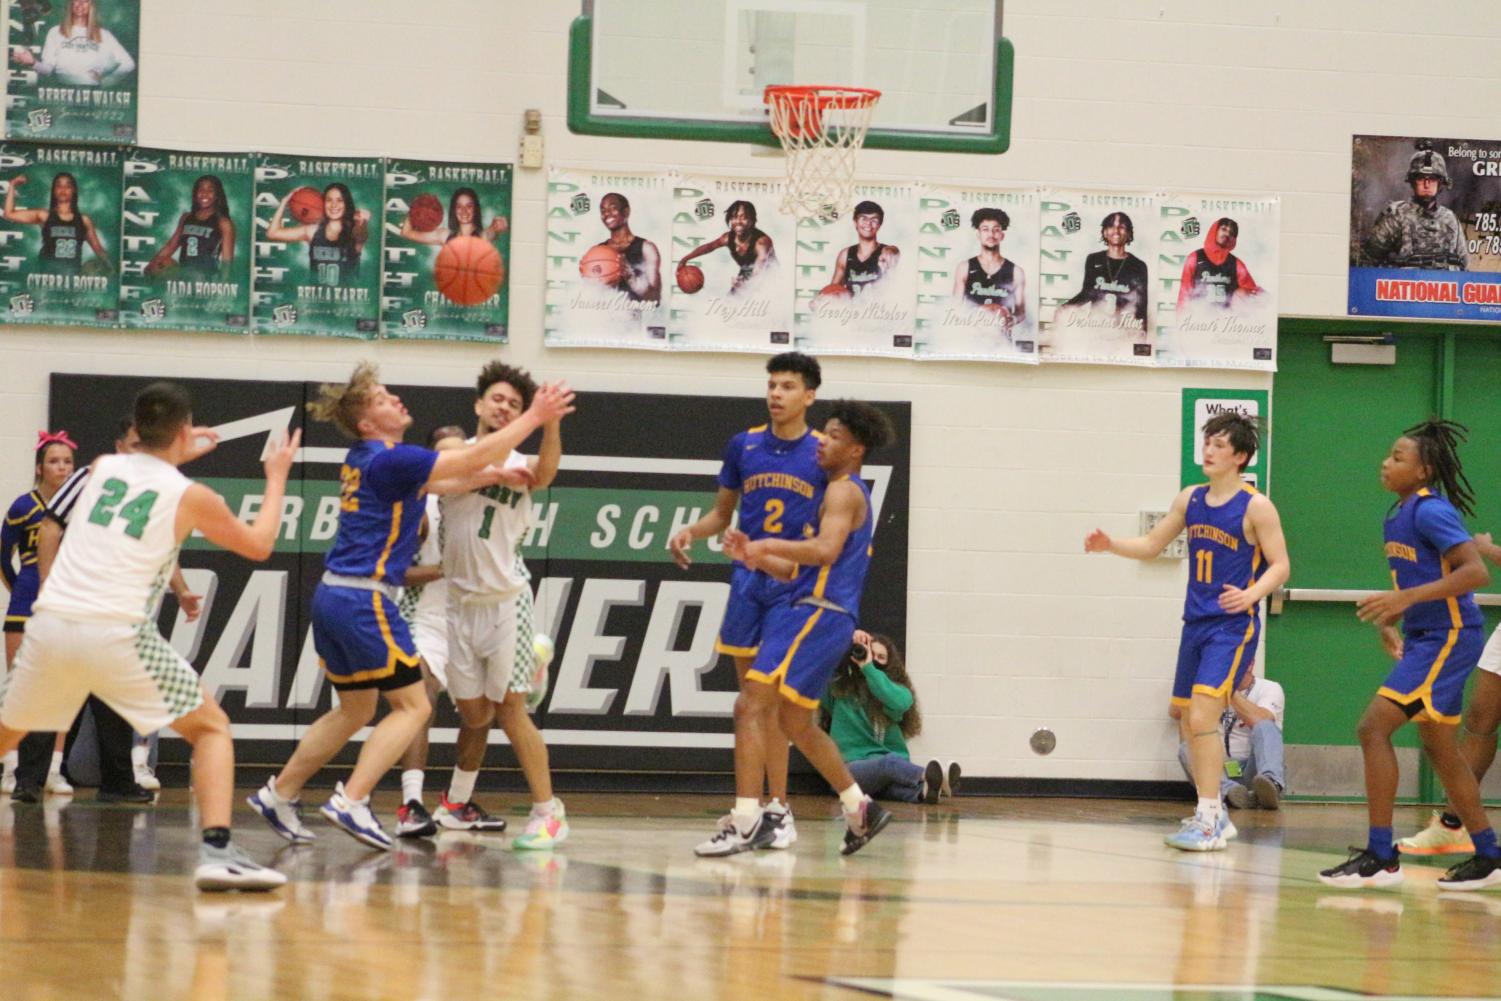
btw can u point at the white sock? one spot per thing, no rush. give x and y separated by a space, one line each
461 786
747 810
411 785
774 805
1209 809
276 797
139 755
545 809
11 760
852 798
57 763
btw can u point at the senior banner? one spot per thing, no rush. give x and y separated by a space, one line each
977 275
636 685
1425 227
72 70
1218 309
607 234
857 275
317 245
733 254
447 251
1098 259
186 240
61 234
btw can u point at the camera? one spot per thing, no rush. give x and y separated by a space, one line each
858 654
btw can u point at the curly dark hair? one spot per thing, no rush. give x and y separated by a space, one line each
852 684
867 424
1243 432
798 364
518 379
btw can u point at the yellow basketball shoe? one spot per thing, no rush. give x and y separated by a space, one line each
1437 839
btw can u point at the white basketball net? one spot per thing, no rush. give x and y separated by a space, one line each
822 130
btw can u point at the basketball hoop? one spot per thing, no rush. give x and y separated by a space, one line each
821 129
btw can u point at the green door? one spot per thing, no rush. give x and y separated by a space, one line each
1331 427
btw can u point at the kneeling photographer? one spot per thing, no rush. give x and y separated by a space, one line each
870 710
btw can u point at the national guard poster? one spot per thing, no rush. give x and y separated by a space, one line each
1425 227
607 234
732 265
61 232
185 240
1096 279
317 245
447 252
1216 285
72 72
977 274
857 275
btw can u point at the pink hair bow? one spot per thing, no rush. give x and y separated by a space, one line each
45 438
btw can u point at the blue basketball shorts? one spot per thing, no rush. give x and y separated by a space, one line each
1213 655
1433 670
753 595
802 647
362 640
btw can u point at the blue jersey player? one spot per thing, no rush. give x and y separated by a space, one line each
1236 557
771 474
1435 569
805 638
363 643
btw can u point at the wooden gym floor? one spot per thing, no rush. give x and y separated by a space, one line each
1030 900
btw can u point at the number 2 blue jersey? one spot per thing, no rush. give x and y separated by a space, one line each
780 482
380 509
1218 552
1418 533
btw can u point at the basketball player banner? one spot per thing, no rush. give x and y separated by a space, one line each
186 240
857 276
447 251
636 684
72 70
317 245
732 253
61 232
1425 227
976 268
1215 254
1096 299
605 234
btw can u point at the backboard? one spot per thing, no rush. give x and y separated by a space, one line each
696 69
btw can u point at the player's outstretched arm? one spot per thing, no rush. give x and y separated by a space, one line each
1144 547
1488 549
1467 572
544 465
713 523
204 510
843 512
550 403
1266 529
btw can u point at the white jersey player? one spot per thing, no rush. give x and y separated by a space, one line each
93 632
491 663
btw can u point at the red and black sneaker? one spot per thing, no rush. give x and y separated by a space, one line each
466 817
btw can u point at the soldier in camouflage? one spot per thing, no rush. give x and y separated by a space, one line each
1419 232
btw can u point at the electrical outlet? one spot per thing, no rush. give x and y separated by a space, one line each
531 152
1177 549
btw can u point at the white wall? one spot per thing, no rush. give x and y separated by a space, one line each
1010 625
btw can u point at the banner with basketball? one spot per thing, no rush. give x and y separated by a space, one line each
1096 303
636 685
977 282
186 240
61 233
317 245
857 275
607 240
447 251
733 252
72 70
1218 310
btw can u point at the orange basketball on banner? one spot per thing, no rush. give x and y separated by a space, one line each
426 213
306 205
601 264
834 292
468 270
690 278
